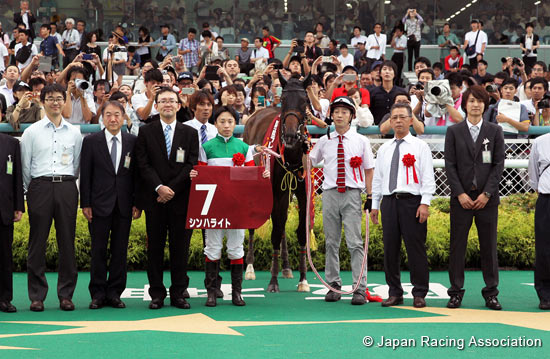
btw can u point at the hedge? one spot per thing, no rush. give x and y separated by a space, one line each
515 241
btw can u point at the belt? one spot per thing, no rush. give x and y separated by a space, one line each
56 179
546 195
401 195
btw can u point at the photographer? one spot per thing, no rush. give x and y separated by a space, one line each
79 107
539 106
143 102
413 22
515 68
295 63
26 109
71 41
119 54
529 43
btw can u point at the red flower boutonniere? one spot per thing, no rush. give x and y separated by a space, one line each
408 161
238 159
355 163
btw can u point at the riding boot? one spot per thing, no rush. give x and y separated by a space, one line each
219 292
211 274
236 284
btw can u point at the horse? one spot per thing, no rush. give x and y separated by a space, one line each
287 177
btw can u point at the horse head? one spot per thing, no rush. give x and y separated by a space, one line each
293 113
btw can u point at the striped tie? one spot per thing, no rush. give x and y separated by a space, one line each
341 179
203 134
168 139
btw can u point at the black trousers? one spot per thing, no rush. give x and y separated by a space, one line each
160 222
542 247
399 220
413 47
6 262
245 68
529 60
486 220
47 201
117 227
70 54
473 62
399 59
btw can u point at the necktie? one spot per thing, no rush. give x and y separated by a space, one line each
203 134
394 169
474 131
341 178
114 152
168 139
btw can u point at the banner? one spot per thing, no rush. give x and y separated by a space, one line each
229 198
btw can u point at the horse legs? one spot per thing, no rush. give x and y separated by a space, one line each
287 271
303 285
250 274
301 195
273 286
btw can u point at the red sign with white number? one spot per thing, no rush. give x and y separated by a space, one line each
229 198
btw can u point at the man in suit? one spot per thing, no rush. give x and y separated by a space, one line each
12 207
106 198
166 152
25 18
474 162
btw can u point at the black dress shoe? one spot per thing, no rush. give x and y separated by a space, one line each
37 306
358 298
544 304
391 301
7 307
179 303
419 302
454 302
333 296
156 304
96 304
492 303
117 303
66 304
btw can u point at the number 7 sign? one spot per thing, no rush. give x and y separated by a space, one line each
229 198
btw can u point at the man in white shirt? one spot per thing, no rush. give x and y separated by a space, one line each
143 102
79 107
202 105
345 58
4 57
404 181
357 37
376 44
477 38
53 32
11 76
260 53
348 169
70 40
50 156
24 42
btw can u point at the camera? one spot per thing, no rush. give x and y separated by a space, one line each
436 90
419 86
515 61
82 85
119 49
491 88
299 46
545 102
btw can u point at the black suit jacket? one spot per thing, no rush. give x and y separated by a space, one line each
100 187
11 186
463 159
155 168
18 19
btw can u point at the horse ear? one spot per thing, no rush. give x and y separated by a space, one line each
282 79
307 81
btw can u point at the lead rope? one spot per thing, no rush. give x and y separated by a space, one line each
366 249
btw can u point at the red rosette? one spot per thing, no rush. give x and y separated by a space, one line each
408 161
355 163
238 159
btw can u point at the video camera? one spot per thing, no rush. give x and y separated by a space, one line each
545 102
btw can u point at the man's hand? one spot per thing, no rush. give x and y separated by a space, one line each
501 118
165 194
465 201
136 212
17 216
266 174
480 201
193 174
374 216
422 213
87 212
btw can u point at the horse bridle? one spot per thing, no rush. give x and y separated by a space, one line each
300 133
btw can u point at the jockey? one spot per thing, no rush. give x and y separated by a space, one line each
348 169
225 150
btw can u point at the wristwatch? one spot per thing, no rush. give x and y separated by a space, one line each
487 194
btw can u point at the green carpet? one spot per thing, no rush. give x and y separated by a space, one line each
283 325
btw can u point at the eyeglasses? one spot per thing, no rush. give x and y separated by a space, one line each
402 117
53 100
171 102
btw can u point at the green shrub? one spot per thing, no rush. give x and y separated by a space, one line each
515 241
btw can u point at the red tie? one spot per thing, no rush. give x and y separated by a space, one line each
341 179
